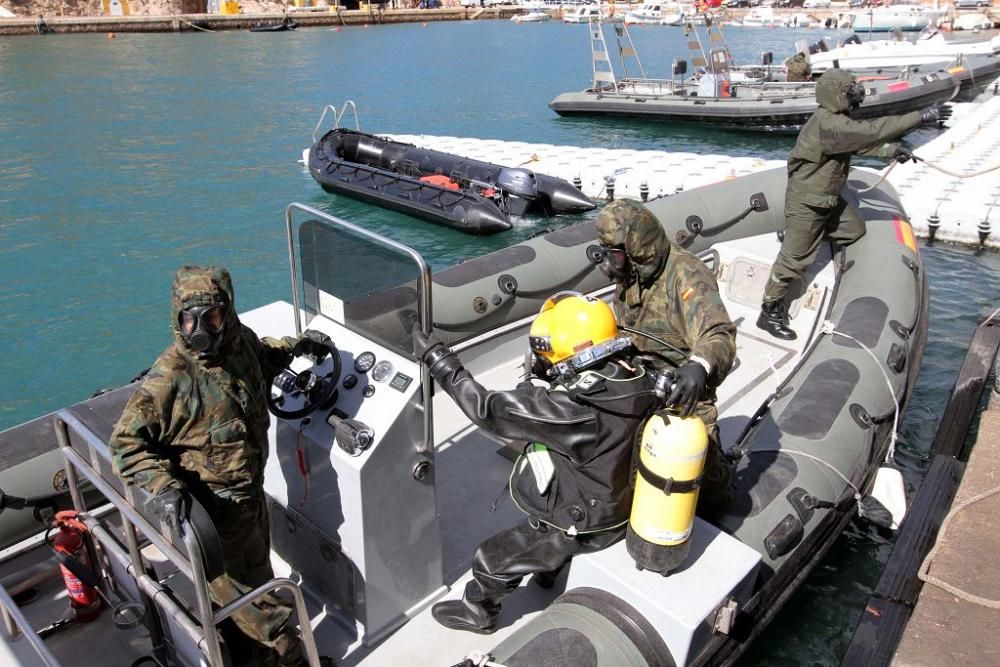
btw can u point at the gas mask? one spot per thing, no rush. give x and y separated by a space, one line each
202 328
855 95
613 263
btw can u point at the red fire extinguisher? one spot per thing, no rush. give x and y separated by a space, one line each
81 582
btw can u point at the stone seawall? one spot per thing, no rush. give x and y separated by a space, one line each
217 22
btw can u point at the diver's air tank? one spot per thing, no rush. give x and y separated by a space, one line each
671 460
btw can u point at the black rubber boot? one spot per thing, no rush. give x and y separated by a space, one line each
546 580
774 320
464 615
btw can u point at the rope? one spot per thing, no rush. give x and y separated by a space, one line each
932 165
923 572
534 158
196 27
828 328
795 452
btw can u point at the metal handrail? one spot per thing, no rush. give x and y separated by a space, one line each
278 583
192 566
423 294
16 625
337 116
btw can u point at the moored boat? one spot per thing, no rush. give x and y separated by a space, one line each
468 195
903 16
534 16
377 528
930 48
716 96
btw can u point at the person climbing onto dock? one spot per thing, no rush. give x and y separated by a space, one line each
817 170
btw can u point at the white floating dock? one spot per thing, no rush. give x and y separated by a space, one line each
963 206
590 169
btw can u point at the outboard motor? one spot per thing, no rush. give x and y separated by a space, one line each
519 182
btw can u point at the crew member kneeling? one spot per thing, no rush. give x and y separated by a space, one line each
573 478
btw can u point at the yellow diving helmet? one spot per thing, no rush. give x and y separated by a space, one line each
572 332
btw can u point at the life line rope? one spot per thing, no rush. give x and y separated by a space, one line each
932 165
196 27
924 572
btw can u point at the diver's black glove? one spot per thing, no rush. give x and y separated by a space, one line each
938 112
690 381
903 155
423 344
316 344
172 506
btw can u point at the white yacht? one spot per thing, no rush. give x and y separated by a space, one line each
886 53
582 14
906 17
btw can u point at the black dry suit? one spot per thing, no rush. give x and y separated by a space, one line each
588 425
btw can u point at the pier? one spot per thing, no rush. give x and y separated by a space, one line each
219 22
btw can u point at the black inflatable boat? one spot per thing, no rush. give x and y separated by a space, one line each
287 24
468 195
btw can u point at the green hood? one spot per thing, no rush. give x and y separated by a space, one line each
203 286
628 225
831 90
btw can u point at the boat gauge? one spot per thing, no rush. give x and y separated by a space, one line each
364 362
382 371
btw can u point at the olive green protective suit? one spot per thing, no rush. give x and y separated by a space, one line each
817 170
672 295
201 425
798 68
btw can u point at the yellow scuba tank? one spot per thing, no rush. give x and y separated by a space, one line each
669 467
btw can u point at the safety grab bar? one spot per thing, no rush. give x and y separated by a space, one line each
17 626
192 566
337 116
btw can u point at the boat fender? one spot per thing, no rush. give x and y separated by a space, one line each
670 462
724 91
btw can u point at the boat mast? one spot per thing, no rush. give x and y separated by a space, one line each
604 73
626 50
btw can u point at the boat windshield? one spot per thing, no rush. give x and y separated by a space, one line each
367 283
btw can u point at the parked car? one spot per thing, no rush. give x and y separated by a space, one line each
429 4
733 4
971 4
815 4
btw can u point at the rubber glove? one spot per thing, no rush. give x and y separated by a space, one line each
172 506
424 343
903 155
313 343
689 384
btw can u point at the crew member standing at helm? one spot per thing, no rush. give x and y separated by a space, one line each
573 478
817 169
667 293
197 427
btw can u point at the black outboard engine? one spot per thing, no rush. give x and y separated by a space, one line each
520 182
520 186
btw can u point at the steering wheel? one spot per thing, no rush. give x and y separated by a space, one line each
317 384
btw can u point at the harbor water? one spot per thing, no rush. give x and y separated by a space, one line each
121 160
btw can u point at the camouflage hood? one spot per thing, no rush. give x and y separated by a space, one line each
628 225
831 90
203 286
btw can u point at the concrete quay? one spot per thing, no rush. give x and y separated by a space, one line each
946 629
218 22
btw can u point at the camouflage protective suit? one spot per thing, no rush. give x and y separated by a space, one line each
201 425
798 68
674 296
817 170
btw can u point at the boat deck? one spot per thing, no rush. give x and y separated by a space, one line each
470 475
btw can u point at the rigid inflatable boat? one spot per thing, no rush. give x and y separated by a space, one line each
468 195
722 95
380 489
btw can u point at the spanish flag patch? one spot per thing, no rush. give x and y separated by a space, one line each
686 294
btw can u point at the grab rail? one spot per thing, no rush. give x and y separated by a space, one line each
337 116
192 566
16 626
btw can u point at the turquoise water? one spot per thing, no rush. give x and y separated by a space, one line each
121 160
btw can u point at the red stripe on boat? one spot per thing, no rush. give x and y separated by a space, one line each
902 85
